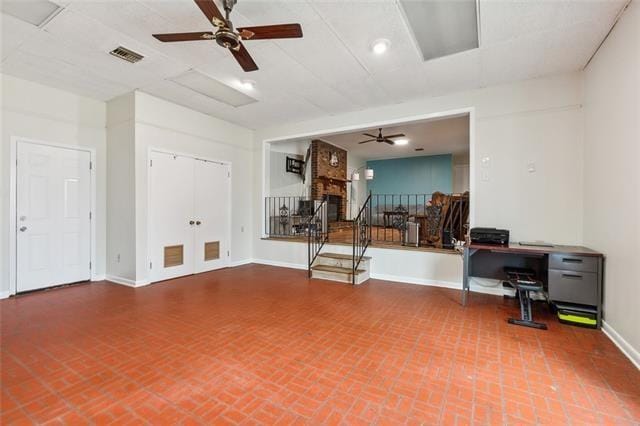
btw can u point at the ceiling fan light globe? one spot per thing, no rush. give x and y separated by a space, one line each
401 142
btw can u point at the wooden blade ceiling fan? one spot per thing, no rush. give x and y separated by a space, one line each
231 38
380 138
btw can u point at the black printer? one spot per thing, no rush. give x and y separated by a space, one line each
489 236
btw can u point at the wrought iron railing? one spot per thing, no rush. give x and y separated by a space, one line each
361 236
287 216
441 217
317 230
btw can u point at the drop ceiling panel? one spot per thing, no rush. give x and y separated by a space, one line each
262 12
329 71
61 75
14 33
339 65
507 20
364 93
359 24
77 33
540 53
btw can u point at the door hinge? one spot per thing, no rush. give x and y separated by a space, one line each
227 253
150 163
90 165
90 216
150 265
229 174
89 265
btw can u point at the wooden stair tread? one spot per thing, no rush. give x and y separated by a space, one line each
341 256
336 269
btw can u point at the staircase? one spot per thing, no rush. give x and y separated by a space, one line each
354 268
339 267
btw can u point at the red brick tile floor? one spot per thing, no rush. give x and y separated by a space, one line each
264 345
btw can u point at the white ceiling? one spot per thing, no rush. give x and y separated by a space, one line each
441 136
330 71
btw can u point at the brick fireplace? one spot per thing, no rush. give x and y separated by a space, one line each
329 177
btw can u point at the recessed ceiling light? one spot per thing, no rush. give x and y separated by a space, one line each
248 84
380 46
401 141
36 12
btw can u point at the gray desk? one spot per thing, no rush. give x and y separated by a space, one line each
571 274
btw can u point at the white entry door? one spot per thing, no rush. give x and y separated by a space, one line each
172 216
212 213
53 235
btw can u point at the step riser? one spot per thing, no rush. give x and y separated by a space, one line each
340 277
341 263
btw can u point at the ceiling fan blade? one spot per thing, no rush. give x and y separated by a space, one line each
244 58
211 11
271 31
395 136
367 141
389 141
202 35
370 135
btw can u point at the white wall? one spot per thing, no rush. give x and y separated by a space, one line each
461 172
279 182
121 242
356 190
30 110
532 121
167 126
612 174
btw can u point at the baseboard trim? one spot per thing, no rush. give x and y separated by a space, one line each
125 281
98 278
240 262
496 291
279 264
5 294
626 348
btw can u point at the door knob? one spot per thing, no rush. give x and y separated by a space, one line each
191 222
198 222
23 228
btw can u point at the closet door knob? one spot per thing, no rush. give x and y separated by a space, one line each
198 222
191 222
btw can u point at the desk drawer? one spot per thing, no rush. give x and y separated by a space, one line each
573 287
568 262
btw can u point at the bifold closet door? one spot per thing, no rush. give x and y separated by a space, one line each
171 215
212 213
53 240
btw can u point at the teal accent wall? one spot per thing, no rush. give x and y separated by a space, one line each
414 175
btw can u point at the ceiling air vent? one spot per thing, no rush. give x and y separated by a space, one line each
126 54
